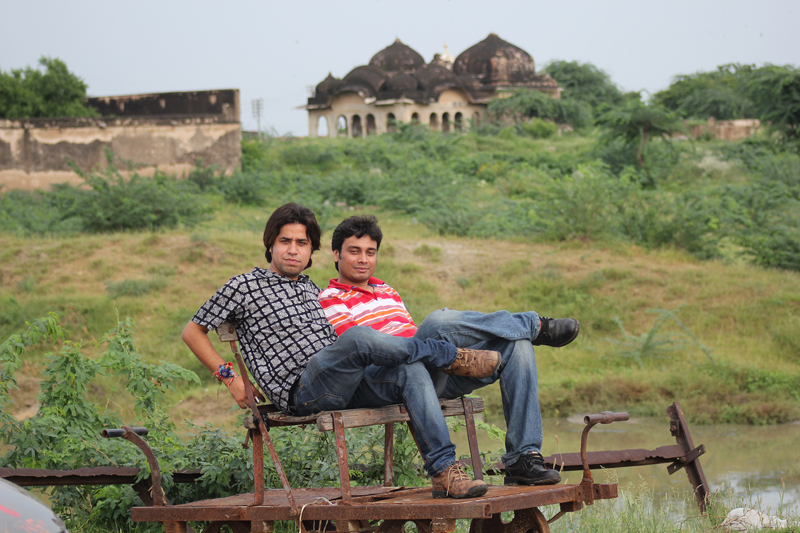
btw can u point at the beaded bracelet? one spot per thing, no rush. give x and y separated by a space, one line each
225 371
228 384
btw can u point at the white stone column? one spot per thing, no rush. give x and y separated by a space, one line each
312 124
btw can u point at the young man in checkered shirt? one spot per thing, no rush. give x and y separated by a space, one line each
357 298
303 366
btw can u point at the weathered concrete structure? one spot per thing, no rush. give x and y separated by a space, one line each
445 94
728 130
168 131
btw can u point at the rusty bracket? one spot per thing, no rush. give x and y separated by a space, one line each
688 458
606 417
564 508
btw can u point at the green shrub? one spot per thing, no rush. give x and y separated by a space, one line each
256 155
203 176
247 188
305 154
117 204
538 128
106 202
582 205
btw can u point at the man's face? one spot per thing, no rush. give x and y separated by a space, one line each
291 251
357 261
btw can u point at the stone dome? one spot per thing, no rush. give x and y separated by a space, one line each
496 62
328 85
433 74
468 82
367 76
402 82
397 57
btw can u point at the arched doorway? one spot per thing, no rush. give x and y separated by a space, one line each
370 125
356 126
415 118
459 123
434 122
322 127
446 122
341 126
391 123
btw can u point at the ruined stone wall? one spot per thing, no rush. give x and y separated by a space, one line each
728 130
222 102
34 152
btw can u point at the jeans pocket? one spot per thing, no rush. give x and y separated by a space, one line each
325 402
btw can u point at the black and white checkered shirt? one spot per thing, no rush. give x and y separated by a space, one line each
279 322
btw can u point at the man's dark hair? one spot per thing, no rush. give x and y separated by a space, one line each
357 226
292 213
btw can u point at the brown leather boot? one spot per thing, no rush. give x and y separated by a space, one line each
473 363
453 482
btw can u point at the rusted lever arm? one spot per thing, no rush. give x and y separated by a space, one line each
606 417
135 436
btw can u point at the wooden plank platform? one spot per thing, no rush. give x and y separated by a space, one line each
370 503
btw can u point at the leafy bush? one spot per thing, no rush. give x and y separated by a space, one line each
538 128
248 188
117 204
581 205
106 202
64 434
255 155
530 103
203 176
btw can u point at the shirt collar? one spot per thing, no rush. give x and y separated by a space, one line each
341 286
267 273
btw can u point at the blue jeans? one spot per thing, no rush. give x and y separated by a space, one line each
366 368
511 335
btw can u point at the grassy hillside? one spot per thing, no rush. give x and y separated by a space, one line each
746 316
656 265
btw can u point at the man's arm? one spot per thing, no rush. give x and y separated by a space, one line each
196 338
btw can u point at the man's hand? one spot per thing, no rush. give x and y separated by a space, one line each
240 395
196 338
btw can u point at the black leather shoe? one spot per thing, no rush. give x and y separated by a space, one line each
556 332
530 470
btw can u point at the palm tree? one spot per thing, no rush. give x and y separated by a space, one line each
637 122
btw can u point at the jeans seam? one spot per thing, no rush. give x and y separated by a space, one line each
510 338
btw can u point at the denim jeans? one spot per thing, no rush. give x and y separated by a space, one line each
366 368
511 335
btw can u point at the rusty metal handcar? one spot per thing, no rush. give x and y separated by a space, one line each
383 508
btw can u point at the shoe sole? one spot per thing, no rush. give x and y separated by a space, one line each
512 480
476 376
575 336
474 492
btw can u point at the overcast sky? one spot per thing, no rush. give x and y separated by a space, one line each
275 50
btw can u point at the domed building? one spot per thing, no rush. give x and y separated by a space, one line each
445 94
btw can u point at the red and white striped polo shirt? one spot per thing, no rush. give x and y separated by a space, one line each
346 306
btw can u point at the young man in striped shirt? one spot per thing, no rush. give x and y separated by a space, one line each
357 298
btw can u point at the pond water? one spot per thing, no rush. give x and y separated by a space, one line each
755 464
